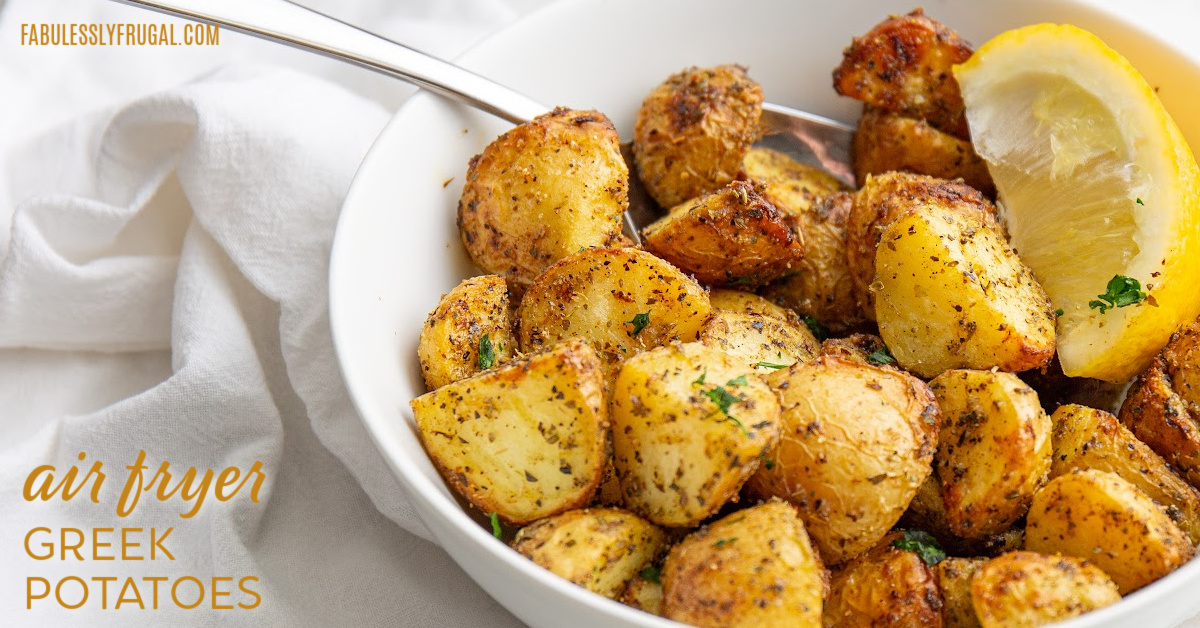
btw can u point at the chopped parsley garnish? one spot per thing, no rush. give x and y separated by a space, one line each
768 463
651 573
639 322
743 281
818 330
881 356
487 353
496 531
723 398
923 544
1139 201
725 541
1059 312
1121 291
771 365
700 380
740 380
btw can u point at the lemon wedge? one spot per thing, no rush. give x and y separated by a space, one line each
1096 182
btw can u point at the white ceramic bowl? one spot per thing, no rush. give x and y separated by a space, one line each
397 248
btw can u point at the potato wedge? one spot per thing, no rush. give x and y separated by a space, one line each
448 349
729 236
693 130
902 65
688 428
886 142
794 188
857 443
542 191
644 593
954 581
599 549
750 303
762 344
884 587
1026 589
884 198
526 440
951 293
755 568
621 300
1085 438
993 450
1097 516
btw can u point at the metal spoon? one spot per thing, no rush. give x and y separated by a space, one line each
809 138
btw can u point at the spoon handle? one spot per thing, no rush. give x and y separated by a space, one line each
297 26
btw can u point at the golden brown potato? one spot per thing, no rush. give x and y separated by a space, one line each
750 303
954 581
884 587
1026 589
860 349
644 591
993 450
621 300
882 200
541 191
1163 404
693 130
732 236
951 293
927 511
525 440
599 549
755 568
857 443
886 142
455 331
903 65
1085 438
688 428
1097 516
759 343
792 187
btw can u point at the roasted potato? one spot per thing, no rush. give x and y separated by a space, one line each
688 428
759 343
730 236
860 349
1097 516
792 187
644 591
525 440
693 130
1163 405
857 443
993 450
951 293
903 65
454 332
599 549
886 586
927 511
621 300
1026 589
886 142
883 199
542 191
750 303
1085 438
954 581
755 568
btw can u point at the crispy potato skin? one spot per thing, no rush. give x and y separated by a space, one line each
750 303
693 130
884 198
1097 516
856 348
993 450
954 581
542 191
732 235
1027 589
903 65
755 568
448 349
857 443
754 339
951 293
643 594
927 511
1161 407
597 293
599 549
886 142
884 587
525 440
678 455
1085 438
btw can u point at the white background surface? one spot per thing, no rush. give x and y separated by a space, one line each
121 370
